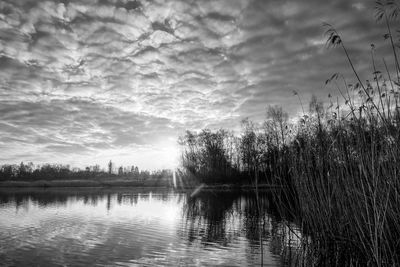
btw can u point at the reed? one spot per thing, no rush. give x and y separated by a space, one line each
345 168
339 164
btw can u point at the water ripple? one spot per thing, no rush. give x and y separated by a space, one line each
136 229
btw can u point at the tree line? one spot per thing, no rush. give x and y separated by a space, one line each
31 172
257 151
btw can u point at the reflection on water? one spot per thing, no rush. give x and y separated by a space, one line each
142 228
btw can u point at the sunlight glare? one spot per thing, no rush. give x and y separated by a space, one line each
170 156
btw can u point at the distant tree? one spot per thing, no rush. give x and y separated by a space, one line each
22 170
29 172
96 168
110 166
136 173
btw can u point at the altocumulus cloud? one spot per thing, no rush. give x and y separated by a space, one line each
85 81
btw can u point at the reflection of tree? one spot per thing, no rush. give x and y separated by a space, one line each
60 197
206 215
108 202
209 214
211 218
41 197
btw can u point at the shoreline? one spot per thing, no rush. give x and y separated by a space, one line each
124 184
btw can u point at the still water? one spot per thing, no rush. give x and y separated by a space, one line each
142 227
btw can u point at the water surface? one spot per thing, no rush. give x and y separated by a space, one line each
142 227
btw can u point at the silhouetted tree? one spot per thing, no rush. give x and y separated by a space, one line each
110 166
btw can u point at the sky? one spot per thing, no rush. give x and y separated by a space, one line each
84 82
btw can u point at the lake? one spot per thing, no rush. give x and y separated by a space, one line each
143 227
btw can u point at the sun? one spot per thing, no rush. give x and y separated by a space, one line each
169 154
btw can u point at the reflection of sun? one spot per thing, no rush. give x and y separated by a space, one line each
166 213
149 209
171 213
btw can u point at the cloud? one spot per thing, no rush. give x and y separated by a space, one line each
87 78
73 126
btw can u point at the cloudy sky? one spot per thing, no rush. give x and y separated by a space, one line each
83 82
